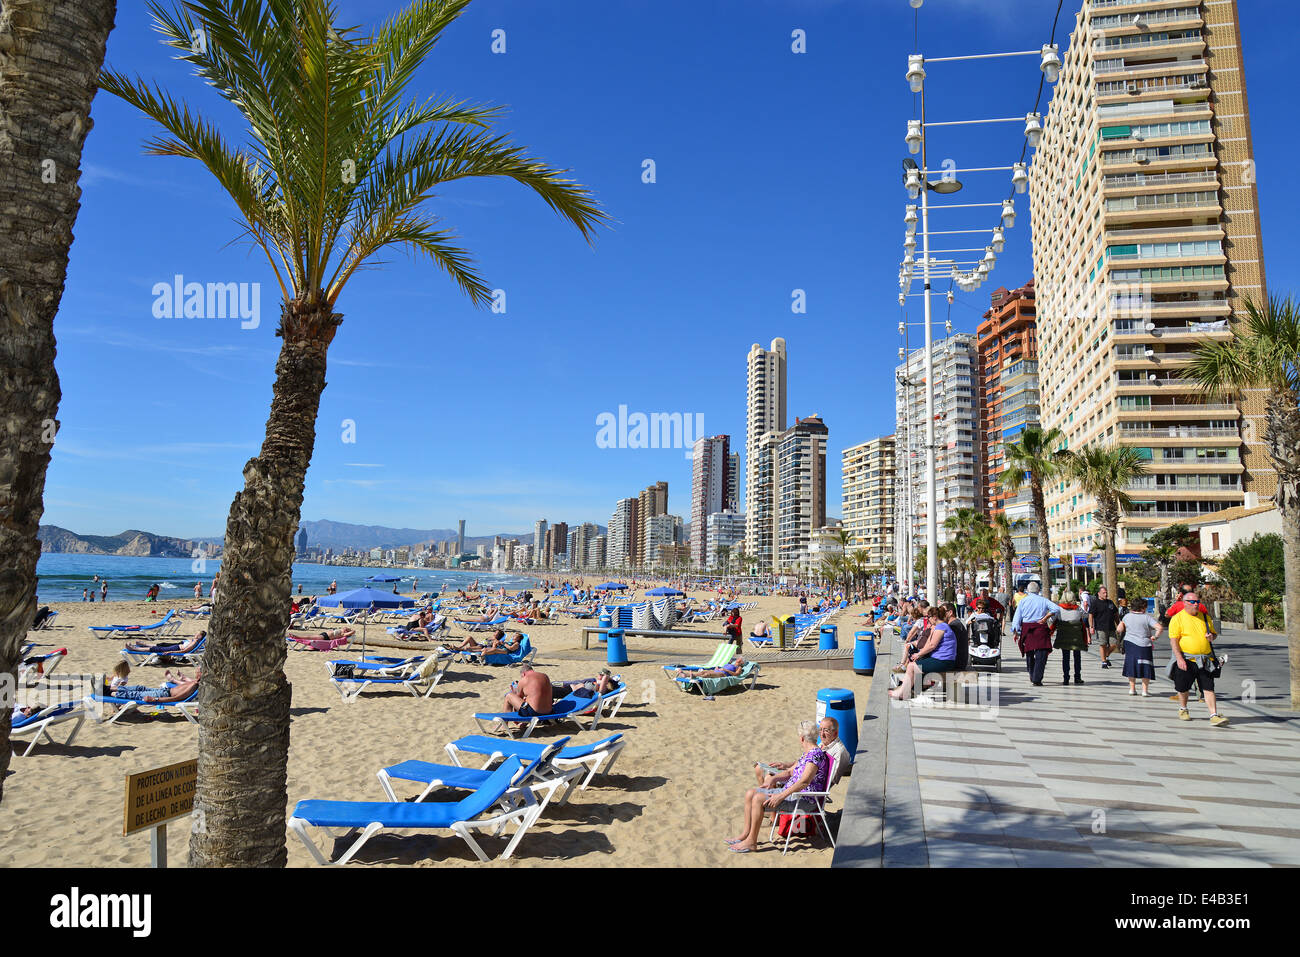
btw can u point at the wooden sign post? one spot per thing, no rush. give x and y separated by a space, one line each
156 797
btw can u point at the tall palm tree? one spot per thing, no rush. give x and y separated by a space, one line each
1105 473
334 172
724 559
51 52
1031 461
1264 353
1004 532
965 523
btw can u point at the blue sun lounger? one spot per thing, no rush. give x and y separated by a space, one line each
473 812
156 656
97 704
544 778
166 625
565 709
590 756
38 724
420 681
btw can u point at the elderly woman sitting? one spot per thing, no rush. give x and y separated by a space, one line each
809 773
938 652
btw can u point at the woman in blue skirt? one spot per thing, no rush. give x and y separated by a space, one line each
1138 629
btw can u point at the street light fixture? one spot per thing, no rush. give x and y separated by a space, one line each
916 71
1008 213
999 239
1034 129
1051 62
1020 177
912 180
913 137
910 219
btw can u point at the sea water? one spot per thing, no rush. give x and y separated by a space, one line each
62 577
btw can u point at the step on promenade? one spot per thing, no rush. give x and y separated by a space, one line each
1072 776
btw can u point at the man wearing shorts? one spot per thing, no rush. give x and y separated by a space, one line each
1102 622
531 695
1191 636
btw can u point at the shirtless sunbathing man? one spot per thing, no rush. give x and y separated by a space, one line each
531 694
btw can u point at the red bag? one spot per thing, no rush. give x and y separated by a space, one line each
804 825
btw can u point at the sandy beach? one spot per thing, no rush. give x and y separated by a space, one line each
672 799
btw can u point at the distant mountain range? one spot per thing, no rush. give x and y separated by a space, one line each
322 534
130 542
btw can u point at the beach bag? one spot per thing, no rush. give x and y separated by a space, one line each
345 671
788 825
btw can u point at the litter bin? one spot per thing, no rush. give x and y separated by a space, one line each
864 652
606 623
828 639
838 703
783 630
616 651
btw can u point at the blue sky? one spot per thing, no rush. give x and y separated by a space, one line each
775 171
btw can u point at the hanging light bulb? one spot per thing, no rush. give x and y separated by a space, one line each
1008 213
915 4
916 71
989 256
902 298
901 353
902 327
909 219
1051 62
909 245
999 239
947 326
1034 129
913 183
983 270
1020 177
913 137
951 297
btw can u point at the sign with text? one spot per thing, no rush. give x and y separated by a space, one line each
161 795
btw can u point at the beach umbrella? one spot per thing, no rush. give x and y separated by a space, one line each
665 591
611 586
366 598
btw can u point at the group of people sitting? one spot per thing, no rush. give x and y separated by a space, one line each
821 763
175 687
534 694
498 644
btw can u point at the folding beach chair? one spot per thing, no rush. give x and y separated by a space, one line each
714 685
38 724
512 722
32 668
593 757
46 622
544 779
157 655
299 643
166 625
470 813
721 655
420 682
808 805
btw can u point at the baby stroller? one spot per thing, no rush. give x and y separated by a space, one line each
985 644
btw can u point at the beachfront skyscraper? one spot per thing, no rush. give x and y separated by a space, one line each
1147 243
651 502
724 529
622 531
712 472
1009 401
765 401
957 474
868 490
539 538
460 537
800 489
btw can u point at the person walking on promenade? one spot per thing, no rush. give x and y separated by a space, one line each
1102 615
1139 630
961 603
1030 625
1071 636
1191 636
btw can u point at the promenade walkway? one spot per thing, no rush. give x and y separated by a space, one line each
1072 776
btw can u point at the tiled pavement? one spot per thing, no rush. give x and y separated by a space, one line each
1087 776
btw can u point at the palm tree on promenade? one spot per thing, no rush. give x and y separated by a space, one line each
51 52
334 172
1105 473
1004 532
1031 461
1264 353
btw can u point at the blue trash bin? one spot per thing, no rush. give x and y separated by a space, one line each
838 703
828 639
864 652
616 651
606 623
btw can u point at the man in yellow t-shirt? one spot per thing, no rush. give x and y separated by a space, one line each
1191 636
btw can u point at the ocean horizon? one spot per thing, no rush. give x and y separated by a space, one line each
63 576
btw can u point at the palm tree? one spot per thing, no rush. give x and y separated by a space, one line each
1264 353
52 54
1105 473
965 523
1030 460
1004 531
334 172
724 559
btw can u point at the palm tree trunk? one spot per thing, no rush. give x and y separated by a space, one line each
1112 565
51 52
1044 546
244 696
